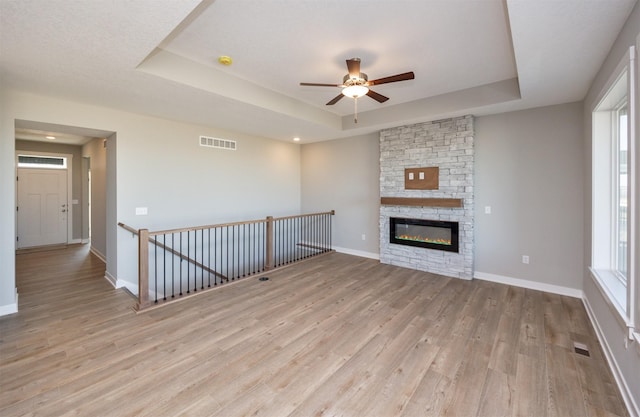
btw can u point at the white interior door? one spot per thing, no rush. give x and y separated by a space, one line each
42 207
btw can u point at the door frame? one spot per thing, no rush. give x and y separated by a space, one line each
69 170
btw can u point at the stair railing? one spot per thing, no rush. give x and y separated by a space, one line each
176 263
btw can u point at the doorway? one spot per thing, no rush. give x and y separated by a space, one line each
43 210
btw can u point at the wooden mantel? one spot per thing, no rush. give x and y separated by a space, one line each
421 202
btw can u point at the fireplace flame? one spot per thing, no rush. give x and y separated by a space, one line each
425 239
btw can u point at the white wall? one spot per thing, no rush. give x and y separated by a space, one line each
343 175
97 153
158 164
625 360
8 294
529 170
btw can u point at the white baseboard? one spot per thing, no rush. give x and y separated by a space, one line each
85 241
98 254
532 285
111 279
359 253
74 241
10 308
133 288
627 394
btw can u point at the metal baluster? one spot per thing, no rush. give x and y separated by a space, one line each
180 263
155 272
195 261
209 257
289 240
244 254
233 253
324 233
188 267
281 240
173 272
202 258
164 267
215 256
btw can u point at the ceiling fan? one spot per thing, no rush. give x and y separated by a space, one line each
356 84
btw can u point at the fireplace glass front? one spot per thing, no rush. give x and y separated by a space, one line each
431 234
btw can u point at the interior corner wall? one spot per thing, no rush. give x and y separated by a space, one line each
529 171
159 165
76 181
344 175
623 356
8 294
97 154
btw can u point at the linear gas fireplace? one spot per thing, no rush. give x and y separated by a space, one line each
431 234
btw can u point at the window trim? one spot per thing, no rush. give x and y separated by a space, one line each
615 188
603 270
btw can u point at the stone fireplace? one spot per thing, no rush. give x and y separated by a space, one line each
420 228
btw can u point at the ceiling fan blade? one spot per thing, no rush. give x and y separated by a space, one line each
353 65
321 85
335 99
377 97
393 78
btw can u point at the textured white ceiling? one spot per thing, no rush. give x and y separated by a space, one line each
159 57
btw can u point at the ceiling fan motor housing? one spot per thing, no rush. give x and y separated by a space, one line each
348 81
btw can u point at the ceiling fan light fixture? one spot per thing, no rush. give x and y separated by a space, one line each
355 91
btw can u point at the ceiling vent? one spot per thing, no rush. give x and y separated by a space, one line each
210 142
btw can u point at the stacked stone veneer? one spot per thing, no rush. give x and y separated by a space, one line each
448 145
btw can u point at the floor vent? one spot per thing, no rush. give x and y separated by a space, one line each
581 349
210 142
263 279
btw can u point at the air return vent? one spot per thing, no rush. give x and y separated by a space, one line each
218 143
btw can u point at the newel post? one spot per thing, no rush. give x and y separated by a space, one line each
143 268
268 264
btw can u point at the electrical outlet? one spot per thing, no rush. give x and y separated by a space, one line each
487 209
525 259
364 237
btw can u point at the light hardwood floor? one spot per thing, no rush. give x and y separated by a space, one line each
335 336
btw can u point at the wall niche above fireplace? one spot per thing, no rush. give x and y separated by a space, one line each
430 234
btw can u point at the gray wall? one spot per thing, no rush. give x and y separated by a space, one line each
76 181
97 154
344 175
157 164
529 170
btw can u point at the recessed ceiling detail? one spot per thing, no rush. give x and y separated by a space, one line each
469 57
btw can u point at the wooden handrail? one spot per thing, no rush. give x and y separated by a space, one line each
211 226
128 228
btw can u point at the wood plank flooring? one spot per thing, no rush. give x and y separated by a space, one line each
335 336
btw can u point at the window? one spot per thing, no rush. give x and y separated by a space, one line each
612 162
621 192
35 161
